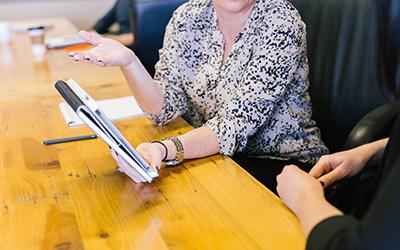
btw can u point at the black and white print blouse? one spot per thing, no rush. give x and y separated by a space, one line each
256 102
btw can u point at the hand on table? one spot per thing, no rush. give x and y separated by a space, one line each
106 51
151 153
122 164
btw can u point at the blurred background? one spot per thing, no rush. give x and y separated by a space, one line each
82 13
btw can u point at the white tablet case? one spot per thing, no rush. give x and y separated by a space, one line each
95 119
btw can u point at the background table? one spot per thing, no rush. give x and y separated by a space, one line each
70 196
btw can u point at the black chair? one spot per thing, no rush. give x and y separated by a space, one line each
354 58
349 75
149 19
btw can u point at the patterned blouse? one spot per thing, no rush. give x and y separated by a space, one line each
257 102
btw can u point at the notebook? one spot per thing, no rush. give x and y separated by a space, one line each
115 109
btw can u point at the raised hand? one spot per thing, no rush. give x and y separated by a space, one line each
106 52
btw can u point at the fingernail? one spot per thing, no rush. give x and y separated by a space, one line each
322 183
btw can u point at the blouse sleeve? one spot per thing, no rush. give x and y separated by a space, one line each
268 76
167 75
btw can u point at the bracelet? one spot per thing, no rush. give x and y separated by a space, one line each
165 147
179 151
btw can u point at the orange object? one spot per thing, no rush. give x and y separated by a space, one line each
79 47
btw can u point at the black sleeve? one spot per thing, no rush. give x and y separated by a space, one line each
338 232
122 16
104 23
379 229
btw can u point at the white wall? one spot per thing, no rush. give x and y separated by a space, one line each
82 13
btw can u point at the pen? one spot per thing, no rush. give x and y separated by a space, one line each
69 139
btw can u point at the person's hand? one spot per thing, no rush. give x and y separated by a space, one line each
152 153
296 186
106 51
123 166
334 167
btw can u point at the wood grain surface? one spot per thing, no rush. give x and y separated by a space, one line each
70 196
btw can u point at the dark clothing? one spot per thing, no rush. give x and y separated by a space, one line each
119 13
379 227
265 170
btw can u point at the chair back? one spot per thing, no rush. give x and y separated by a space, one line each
348 74
149 20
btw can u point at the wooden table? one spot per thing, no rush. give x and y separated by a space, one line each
70 196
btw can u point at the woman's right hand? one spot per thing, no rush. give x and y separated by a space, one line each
152 153
334 167
106 51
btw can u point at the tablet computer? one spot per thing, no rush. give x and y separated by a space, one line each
89 112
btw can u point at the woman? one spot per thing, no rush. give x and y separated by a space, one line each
325 226
236 70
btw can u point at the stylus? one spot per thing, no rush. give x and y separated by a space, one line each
69 139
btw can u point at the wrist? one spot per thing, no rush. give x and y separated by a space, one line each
171 149
317 214
314 210
309 200
177 150
162 149
132 62
369 151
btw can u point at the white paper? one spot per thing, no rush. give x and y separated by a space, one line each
63 41
115 109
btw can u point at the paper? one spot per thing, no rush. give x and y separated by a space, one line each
63 41
115 109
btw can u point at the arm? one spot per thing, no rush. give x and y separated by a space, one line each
197 143
164 97
107 52
122 16
104 23
124 34
334 167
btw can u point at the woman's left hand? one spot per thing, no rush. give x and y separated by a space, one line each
296 186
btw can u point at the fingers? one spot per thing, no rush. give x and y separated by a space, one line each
329 178
321 167
88 57
287 171
90 37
